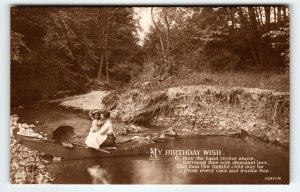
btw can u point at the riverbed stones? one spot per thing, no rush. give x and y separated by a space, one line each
87 101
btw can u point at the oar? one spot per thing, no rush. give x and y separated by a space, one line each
123 139
79 144
102 150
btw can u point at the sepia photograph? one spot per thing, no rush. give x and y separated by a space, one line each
150 95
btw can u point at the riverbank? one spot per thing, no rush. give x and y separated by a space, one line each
199 110
211 110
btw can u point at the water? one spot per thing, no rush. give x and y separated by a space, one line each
141 170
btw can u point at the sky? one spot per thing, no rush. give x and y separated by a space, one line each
144 15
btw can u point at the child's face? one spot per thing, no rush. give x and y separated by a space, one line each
97 116
102 117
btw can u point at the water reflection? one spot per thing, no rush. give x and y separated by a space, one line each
99 175
141 170
162 171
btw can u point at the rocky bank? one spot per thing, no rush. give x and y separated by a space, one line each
26 165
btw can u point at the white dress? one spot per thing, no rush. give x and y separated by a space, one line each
95 139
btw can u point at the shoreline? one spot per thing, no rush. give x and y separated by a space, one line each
198 110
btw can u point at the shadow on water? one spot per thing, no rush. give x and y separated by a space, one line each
141 170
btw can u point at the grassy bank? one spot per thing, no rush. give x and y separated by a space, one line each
146 84
265 80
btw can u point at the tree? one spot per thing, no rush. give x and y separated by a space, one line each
159 34
66 46
221 38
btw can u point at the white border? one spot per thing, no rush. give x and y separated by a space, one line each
5 100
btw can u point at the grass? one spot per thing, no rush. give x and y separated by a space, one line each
265 80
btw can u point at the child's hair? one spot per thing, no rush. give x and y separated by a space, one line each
106 114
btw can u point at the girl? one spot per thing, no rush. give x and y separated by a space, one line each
101 132
107 130
97 121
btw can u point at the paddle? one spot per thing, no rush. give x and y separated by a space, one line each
123 139
102 150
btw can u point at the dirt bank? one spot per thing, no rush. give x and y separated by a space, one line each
210 110
86 101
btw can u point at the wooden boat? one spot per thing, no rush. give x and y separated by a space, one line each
79 151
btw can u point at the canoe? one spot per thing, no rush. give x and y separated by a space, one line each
77 151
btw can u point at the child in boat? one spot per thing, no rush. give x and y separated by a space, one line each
101 132
107 130
97 121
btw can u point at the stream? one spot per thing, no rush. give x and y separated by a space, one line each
141 170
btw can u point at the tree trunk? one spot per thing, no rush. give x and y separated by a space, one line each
256 11
245 30
258 44
168 34
106 61
253 20
285 15
260 16
274 14
158 32
106 45
100 67
267 15
100 34
267 29
278 17
232 15
242 19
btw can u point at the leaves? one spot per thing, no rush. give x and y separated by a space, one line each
17 43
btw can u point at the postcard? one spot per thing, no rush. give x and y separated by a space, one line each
150 95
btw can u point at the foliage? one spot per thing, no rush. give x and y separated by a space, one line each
59 48
63 46
223 38
16 45
125 71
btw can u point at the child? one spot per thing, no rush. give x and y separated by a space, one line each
97 121
100 131
107 129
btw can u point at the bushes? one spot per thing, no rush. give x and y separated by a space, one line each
30 86
112 99
210 60
125 71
